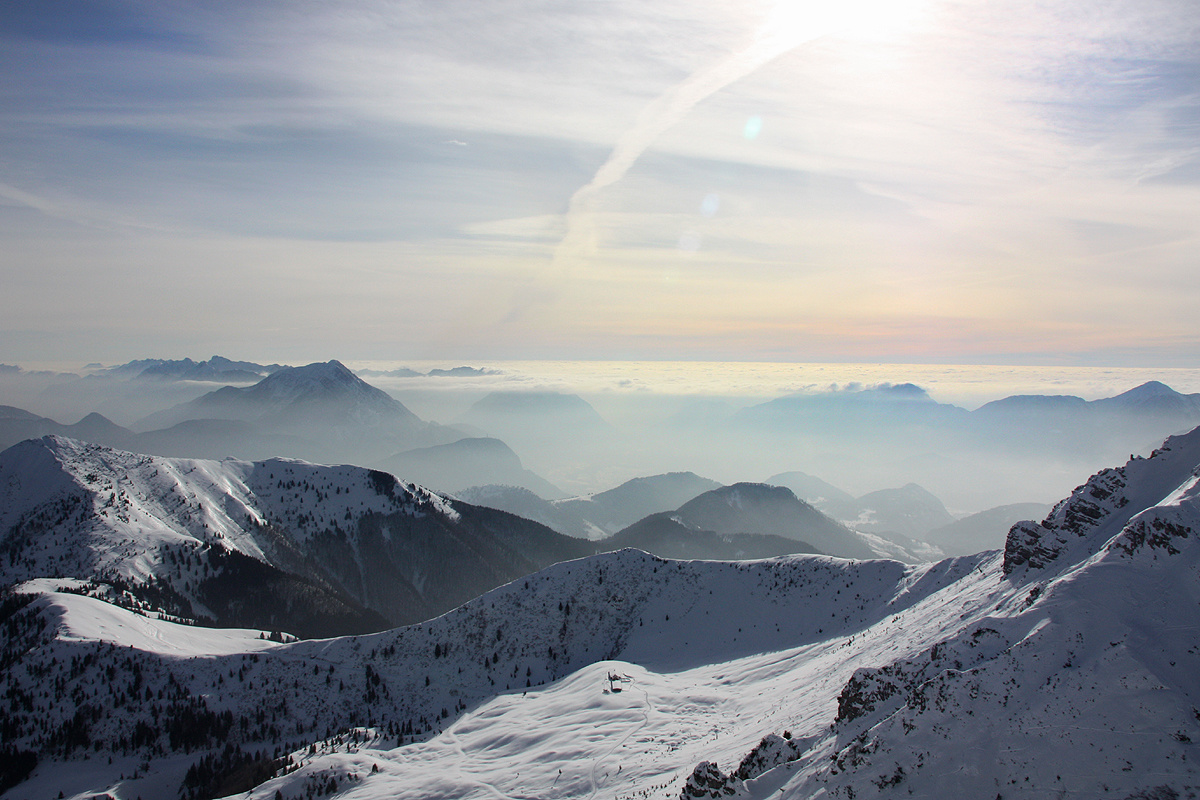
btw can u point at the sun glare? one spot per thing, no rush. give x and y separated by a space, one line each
790 23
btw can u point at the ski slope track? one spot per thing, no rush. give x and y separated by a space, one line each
1064 666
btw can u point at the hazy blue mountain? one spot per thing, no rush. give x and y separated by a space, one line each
465 463
609 511
217 368
908 510
17 424
824 496
226 438
667 535
461 372
774 510
525 503
985 530
402 372
319 412
290 394
1152 398
891 405
1151 401
1055 407
538 418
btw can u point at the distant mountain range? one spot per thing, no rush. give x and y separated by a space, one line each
17 424
1017 449
909 404
216 369
452 372
738 522
604 513
328 393
905 419
891 405
541 425
320 412
984 530
909 510
1063 665
741 521
1152 398
669 535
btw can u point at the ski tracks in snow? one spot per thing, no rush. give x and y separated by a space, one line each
451 738
621 742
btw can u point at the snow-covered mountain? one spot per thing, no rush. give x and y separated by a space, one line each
342 547
1063 666
1111 507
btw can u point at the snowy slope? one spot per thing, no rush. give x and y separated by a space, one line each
1065 666
334 541
1081 683
685 621
87 619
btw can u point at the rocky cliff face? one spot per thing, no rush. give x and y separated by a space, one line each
1098 509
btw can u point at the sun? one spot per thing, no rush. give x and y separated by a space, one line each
791 23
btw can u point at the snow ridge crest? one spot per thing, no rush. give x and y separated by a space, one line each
1099 510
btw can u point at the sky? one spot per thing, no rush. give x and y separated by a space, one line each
914 181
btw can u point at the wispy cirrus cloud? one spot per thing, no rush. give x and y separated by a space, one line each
974 165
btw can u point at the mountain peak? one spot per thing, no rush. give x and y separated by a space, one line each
321 382
903 391
1149 389
1153 397
762 508
318 371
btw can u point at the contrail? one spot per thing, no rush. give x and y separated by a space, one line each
783 31
790 25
